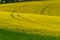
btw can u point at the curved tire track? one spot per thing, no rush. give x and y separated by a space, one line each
44 8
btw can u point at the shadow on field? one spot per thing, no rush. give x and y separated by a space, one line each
7 35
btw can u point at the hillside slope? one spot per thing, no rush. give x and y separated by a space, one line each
31 7
33 21
30 24
42 7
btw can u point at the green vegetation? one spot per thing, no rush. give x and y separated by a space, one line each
6 35
12 1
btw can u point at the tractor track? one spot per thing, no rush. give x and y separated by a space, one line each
44 8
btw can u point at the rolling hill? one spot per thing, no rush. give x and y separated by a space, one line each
30 21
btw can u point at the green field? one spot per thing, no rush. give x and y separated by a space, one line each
38 20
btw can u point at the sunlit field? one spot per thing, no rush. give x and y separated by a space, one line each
38 20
